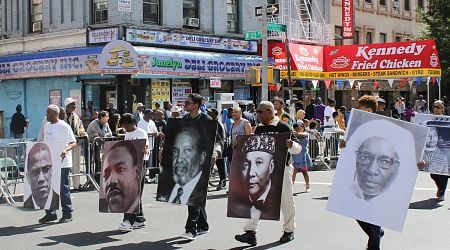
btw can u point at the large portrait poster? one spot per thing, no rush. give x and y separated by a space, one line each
42 175
186 161
256 177
377 169
437 149
120 179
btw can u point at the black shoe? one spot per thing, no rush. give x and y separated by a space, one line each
66 219
287 237
248 237
381 233
48 218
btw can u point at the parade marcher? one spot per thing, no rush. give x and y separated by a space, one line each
217 157
149 126
250 114
196 222
134 221
270 123
57 130
440 180
240 126
18 123
76 125
302 160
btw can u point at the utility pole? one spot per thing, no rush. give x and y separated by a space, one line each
291 91
264 82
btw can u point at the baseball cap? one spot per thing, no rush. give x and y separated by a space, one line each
68 101
148 111
381 100
139 105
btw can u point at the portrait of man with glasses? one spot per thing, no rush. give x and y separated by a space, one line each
39 172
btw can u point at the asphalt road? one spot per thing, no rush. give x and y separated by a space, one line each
427 225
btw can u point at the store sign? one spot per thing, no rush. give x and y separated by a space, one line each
119 57
307 57
387 60
277 51
215 82
124 5
103 35
180 91
187 40
347 19
58 66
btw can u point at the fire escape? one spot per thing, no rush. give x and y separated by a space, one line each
304 20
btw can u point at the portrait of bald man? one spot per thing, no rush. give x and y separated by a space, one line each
40 189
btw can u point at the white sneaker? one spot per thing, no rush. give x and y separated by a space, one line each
125 226
188 236
308 188
137 224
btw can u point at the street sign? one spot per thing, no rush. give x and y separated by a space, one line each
276 27
272 9
253 35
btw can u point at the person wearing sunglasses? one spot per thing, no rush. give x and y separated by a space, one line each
39 177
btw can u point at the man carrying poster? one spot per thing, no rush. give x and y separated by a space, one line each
39 172
186 162
56 131
269 123
376 174
257 177
437 151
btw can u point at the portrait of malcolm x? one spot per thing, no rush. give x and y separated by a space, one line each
377 164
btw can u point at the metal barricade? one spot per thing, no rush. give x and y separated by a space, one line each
324 148
96 159
81 160
12 163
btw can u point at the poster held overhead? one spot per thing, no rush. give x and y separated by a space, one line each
256 177
377 169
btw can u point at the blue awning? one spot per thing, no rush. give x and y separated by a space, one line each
52 54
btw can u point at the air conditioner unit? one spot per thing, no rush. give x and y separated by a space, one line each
192 22
396 5
37 26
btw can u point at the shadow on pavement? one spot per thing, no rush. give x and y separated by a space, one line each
83 239
217 196
160 245
266 246
431 203
325 198
8 231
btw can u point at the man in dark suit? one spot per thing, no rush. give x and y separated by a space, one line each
39 176
260 200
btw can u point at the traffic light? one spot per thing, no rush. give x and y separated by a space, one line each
253 75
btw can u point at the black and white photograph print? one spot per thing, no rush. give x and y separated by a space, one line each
256 177
437 150
42 175
186 161
120 180
377 170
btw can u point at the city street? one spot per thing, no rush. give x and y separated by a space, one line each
426 227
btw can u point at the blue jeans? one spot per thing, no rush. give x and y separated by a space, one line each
66 202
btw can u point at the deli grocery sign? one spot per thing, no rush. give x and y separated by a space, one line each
390 60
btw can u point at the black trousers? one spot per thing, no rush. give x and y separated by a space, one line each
441 183
139 217
196 220
220 163
374 233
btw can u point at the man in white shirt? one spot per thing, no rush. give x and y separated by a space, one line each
57 130
328 112
149 126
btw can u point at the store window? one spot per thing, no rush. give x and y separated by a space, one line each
151 10
232 16
383 3
420 4
398 38
407 5
100 8
356 37
369 38
36 15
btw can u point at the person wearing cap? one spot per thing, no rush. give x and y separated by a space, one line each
18 123
381 104
138 114
175 112
270 123
149 126
57 130
76 125
440 180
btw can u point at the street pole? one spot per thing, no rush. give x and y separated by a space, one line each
264 82
291 91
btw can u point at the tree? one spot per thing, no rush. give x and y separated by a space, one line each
437 21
